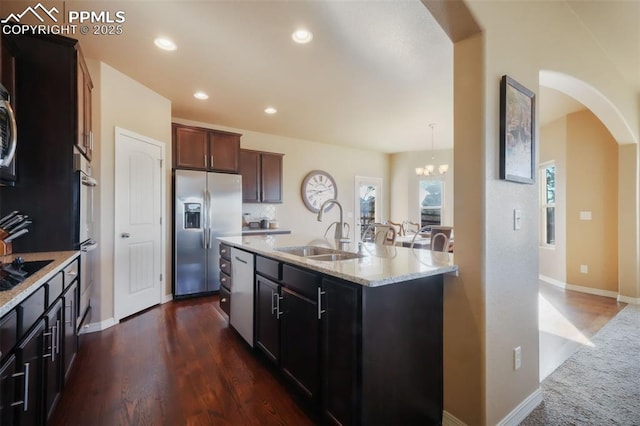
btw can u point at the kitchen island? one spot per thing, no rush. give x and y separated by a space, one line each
359 338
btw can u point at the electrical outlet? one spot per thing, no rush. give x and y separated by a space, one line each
584 269
517 358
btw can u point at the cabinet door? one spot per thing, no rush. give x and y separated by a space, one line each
30 352
268 318
250 171
224 149
190 148
271 177
70 336
340 349
300 341
8 381
52 357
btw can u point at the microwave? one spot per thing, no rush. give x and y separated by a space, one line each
8 138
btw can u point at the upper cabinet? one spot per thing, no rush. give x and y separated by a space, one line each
84 140
261 176
205 149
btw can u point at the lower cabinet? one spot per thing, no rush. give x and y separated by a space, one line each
340 349
7 390
52 357
37 356
69 334
267 317
30 367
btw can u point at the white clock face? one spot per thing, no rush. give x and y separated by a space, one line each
317 188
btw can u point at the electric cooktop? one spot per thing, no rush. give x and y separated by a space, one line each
14 273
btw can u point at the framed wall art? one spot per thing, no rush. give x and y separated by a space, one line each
517 132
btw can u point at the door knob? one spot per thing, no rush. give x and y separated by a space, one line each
125 235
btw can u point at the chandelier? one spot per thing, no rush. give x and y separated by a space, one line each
430 169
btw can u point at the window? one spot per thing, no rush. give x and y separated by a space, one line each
431 201
548 204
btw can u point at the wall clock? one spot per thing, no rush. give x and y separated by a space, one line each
317 187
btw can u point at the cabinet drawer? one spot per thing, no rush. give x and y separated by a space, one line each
225 266
226 281
54 288
225 300
30 310
225 251
269 268
301 281
8 332
70 272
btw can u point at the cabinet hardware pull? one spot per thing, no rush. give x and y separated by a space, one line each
205 160
278 311
273 307
224 265
211 159
125 235
70 306
223 251
58 337
224 279
241 260
320 310
223 300
25 398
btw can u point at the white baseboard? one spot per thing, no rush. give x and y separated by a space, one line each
579 288
629 300
98 326
449 419
525 408
166 298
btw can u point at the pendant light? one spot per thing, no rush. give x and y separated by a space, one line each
430 169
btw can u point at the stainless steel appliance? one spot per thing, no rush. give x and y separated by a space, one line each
8 138
207 205
86 240
241 313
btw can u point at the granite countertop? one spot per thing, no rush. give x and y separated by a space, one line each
380 265
11 298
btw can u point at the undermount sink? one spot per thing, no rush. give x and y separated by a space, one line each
319 253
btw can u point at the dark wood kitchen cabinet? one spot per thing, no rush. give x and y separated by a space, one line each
267 317
261 176
84 139
69 333
52 359
197 148
7 390
30 366
48 69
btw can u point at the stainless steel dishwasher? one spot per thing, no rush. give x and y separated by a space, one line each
241 315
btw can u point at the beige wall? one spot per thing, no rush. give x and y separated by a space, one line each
302 156
592 185
629 223
404 202
553 147
121 101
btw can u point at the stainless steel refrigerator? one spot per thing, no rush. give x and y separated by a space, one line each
207 205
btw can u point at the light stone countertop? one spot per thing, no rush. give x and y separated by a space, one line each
11 298
380 265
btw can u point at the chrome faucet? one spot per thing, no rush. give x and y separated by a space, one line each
341 239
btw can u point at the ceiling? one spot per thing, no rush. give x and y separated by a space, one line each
374 76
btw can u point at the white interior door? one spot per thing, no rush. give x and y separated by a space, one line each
368 192
138 240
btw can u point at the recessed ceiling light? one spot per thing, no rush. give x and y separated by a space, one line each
270 110
201 95
302 36
165 44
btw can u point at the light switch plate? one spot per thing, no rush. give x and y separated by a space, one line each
517 219
585 215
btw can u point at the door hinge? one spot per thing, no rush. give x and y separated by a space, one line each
160 277
161 162
160 220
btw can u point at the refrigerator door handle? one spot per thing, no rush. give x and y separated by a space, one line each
204 219
209 218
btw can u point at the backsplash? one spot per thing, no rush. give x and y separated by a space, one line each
261 211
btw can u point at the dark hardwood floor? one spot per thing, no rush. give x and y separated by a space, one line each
175 364
181 364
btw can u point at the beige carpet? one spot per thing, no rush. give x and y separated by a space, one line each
597 385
